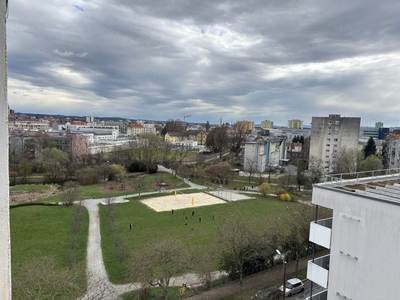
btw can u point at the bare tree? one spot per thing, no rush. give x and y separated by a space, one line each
40 278
161 261
241 243
315 169
71 192
238 136
250 166
139 183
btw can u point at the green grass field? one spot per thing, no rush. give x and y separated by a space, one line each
103 190
150 226
39 188
38 231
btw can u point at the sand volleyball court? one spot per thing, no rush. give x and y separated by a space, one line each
180 201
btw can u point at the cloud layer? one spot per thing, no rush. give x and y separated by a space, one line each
161 59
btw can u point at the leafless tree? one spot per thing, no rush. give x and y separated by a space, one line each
238 136
71 192
41 278
240 243
161 261
250 166
139 183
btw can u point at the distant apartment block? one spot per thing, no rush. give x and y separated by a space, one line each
295 124
378 125
199 136
362 237
391 150
29 125
248 125
331 134
267 124
264 153
135 129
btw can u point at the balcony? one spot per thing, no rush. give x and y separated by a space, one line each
319 296
318 271
320 232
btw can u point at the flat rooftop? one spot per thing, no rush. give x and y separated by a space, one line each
379 185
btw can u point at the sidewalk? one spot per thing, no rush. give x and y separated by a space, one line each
256 281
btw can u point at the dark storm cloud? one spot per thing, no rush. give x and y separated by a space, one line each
233 59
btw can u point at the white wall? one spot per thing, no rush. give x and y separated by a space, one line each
5 261
364 261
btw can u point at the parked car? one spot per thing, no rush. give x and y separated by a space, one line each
293 286
268 293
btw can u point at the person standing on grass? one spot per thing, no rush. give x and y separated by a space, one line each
130 226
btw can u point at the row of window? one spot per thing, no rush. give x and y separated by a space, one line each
336 122
329 139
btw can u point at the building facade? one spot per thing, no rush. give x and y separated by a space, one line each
363 236
267 124
5 249
331 134
295 124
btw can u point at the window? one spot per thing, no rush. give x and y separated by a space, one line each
336 122
326 156
330 122
336 128
329 133
329 128
327 150
335 139
328 139
335 145
328 145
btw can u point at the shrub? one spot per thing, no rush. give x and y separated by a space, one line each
264 189
285 197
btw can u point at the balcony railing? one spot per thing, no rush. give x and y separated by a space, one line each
318 271
319 296
320 232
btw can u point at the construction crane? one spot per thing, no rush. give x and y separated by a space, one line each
186 116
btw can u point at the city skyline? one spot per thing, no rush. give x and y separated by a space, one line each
236 60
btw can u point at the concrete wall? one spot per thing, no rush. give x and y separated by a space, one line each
331 134
5 256
365 247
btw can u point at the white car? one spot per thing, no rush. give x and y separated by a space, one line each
293 286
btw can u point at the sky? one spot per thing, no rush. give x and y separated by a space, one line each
236 60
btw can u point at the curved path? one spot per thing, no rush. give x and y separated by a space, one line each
99 286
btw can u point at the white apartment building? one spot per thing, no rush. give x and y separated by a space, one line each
5 249
39 125
393 154
297 124
267 124
363 237
261 154
330 134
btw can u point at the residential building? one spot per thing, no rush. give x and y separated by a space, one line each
362 235
378 125
264 153
295 124
75 144
267 124
5 248
149 128
197 135
248 125
391 150
174 137
331 134
31 125
135 129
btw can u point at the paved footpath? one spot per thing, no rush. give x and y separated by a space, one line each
99 286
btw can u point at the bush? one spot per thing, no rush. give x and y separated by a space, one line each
264 189
285 197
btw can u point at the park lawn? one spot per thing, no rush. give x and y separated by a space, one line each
150 226
38 231
100 190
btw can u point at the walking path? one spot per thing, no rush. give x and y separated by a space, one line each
99 286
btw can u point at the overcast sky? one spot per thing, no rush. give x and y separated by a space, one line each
240 59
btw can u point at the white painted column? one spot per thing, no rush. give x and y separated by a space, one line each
5 255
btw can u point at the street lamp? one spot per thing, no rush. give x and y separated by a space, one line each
284 272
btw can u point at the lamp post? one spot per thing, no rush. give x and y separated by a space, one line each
284 272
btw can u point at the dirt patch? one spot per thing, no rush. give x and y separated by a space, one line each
25 196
